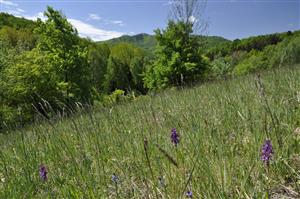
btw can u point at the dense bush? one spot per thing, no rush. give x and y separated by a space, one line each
220 67
29 81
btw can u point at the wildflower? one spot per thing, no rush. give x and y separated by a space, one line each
43 173
115 178
174 137
267 152
189 194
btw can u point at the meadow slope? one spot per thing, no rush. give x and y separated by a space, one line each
125 151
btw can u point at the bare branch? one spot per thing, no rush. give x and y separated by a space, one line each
189 11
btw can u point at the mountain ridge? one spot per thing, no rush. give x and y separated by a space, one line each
148 41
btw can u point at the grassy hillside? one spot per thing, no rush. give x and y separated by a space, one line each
125 151
148 42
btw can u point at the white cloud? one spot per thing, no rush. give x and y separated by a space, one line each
8 3
20 10
93 16
96 17
118 22
84 29
192 19
16 12
36 16
96 34
10 7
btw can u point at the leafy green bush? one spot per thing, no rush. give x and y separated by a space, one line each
288 52
177 57
118 96
8 116
29 81
255 60
220 67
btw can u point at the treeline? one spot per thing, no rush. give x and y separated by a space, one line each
47 69
255 53
15 22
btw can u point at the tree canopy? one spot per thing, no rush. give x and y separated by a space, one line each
177 57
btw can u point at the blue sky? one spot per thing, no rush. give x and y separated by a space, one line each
105 19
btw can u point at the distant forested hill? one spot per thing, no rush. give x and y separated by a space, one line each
15 22
148 42
144 41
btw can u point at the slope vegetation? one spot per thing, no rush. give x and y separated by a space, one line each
148 42
125 151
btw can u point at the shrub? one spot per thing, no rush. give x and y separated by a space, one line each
220 67
177 58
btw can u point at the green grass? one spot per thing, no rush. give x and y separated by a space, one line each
222 126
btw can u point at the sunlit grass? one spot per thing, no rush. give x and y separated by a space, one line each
222 126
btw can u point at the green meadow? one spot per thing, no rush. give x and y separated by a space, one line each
125 150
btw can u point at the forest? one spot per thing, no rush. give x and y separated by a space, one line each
46 69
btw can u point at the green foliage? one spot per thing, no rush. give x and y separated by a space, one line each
7 53
177 57
285 53
98 59
15 22
288 52
256 60
148 42
60 41
237 57
115 97
125 67
9 116
57 72
209 42
143 41
117 76
28 82
14 42
138 68
218 146
220 67
84 71
20 39
252 43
